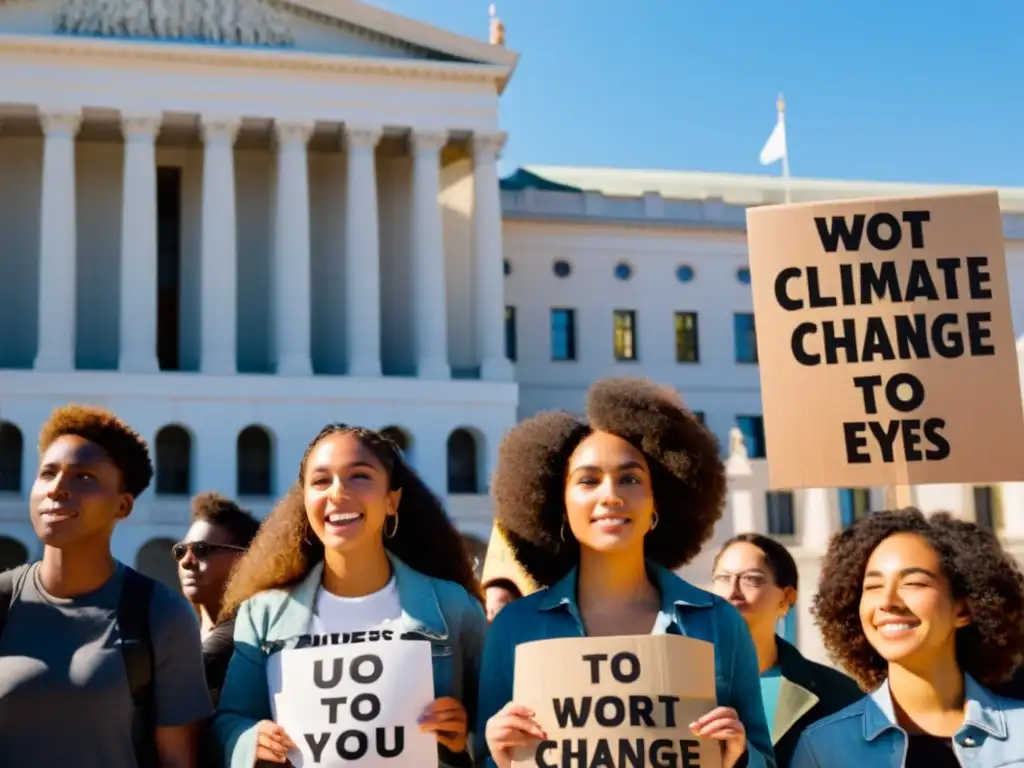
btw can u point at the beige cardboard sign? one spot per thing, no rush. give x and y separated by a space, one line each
885 342
617 701
500 563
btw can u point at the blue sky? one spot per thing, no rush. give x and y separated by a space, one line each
918 90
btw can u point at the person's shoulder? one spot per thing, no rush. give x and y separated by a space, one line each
826 729
165 605
455 601
834 680
518 621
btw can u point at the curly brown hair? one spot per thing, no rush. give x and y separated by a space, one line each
286 549
687 475
978 570
125 447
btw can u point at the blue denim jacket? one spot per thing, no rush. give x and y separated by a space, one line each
866 734
685 610
439 611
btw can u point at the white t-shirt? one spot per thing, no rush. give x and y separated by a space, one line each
333 614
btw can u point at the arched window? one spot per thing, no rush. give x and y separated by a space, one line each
399 436
462 463
255 462
11 447
154 559
173 462
12 553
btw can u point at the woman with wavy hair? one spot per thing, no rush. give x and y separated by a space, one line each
928 615
600 512
359 544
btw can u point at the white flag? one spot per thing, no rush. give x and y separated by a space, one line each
775 148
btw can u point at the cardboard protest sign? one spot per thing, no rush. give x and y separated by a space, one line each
886 343
617 701
501 563
349 704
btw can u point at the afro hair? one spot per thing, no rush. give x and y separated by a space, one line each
688 477
978 570
122 444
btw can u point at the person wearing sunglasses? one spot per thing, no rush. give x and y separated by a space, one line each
220 533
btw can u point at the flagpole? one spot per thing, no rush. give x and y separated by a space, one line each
781 106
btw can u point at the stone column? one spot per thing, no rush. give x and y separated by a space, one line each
292 278
430 310
819 518
488 265
58 243
218 249
362 253
138 314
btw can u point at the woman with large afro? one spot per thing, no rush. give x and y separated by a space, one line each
928 615
359 548
600 512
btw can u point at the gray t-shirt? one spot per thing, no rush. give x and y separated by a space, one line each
64 696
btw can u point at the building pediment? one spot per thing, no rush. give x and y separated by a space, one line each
332 27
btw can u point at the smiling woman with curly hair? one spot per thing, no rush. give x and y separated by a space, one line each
600 511
928 613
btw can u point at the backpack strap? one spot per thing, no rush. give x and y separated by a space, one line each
9 580
137 649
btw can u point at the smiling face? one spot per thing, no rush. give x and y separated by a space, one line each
77 496
907 610
744 577
608 496
346 493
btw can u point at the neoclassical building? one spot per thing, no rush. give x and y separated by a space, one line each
232 221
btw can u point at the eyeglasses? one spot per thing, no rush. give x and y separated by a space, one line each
748 579
201 549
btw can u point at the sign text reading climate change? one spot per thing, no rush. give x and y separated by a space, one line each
908 334
879 322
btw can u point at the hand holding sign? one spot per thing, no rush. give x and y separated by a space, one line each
723 724
446 717
512 728
272 743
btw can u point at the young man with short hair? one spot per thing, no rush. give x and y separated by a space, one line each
220 533
100 666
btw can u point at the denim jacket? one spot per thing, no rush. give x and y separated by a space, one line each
866 734
685 610
432 609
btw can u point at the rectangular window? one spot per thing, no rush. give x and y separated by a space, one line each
510 333
563 334
752 428
781 520
745 337
625 334
854 504
687 347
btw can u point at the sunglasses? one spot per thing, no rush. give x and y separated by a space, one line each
201 549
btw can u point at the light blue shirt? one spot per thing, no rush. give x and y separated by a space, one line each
866 734
771 684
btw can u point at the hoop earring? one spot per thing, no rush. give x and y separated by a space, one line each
561 532
654 520
393 530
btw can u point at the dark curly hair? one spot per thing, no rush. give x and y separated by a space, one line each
218 510
286 549
978 570
688 477
125 447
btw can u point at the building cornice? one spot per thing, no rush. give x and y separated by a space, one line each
268 58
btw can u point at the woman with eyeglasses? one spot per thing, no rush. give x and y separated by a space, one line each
358 546
758 576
